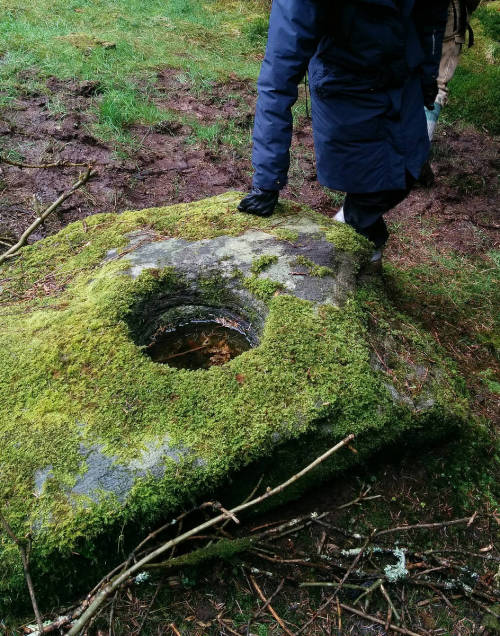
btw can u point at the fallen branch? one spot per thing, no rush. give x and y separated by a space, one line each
25 557
56 164
113 585
40 219
424 526
369 590
392 609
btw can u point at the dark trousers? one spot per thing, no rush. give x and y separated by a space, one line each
364 212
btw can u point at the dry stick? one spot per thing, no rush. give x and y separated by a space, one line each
419 526
270 607
335 594
40 219
112 614
388 619
26 567
123 576
349 586
255 489
369 590
56 164
268 602
428 601
360 498
150 536
306 564
373 619
392 609
222 622
483 607
339 614
486 557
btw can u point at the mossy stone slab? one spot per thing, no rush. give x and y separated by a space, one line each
95 435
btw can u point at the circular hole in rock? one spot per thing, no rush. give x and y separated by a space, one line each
199 344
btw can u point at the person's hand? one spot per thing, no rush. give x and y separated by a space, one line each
259 202
430 91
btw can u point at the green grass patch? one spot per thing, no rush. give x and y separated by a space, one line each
475 88
122 45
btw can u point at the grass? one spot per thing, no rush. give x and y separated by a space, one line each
122 46
475 89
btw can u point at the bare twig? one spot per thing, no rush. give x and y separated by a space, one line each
484 607
275 593
25 557
40 219
223 623
112 614
369 590
56 164
306 564
486 557
270 607
349 586
374 619
392 609
250 496
362 497
113 585
424 526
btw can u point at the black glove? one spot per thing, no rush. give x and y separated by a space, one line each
259 202
430 91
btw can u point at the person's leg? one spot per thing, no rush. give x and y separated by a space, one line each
450 56
364 212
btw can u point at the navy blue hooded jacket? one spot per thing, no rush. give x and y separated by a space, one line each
367 60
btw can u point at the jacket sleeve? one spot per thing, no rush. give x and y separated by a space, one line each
430 20
295 29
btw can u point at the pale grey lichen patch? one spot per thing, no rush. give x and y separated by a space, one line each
152 459
398 571
397 397
41 477
104 474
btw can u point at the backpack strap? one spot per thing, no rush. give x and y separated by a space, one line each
466 9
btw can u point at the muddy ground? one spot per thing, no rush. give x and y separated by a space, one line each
169 165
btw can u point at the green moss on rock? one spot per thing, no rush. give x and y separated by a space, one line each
96 436
314 270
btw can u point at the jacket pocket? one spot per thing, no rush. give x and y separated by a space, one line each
349 115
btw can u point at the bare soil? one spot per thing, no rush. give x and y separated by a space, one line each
461 208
